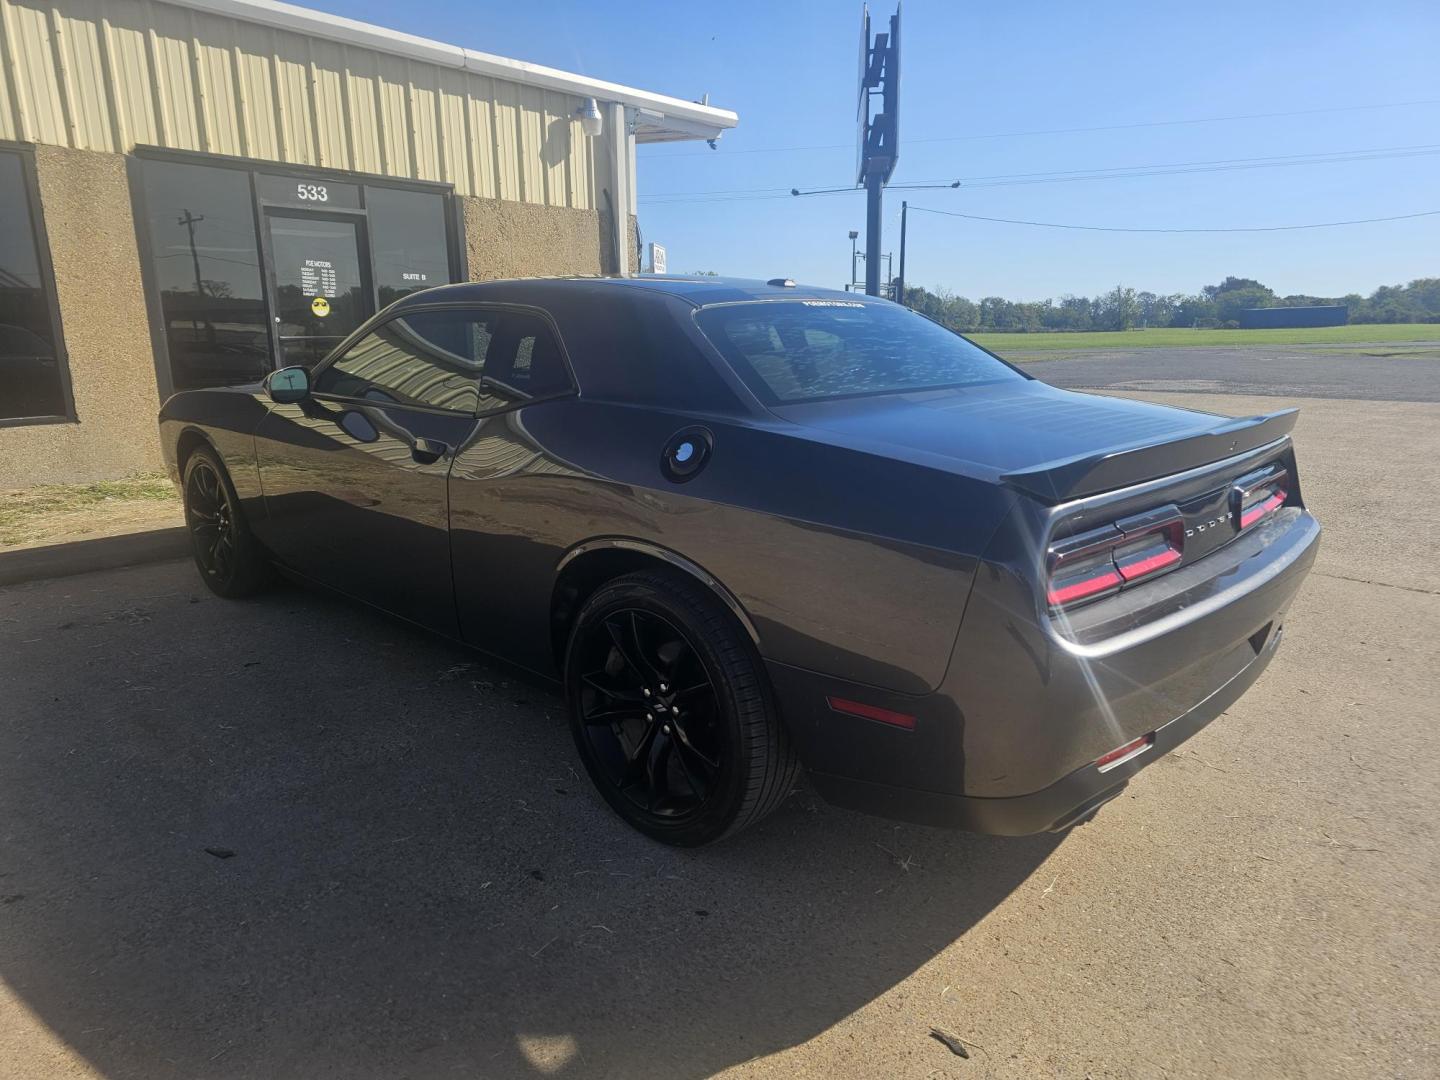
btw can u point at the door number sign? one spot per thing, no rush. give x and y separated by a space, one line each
312 193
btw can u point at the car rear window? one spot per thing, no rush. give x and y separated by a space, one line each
807 350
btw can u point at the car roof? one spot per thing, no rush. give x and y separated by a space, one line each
699 291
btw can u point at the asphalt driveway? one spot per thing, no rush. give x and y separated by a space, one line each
292 838
1390 371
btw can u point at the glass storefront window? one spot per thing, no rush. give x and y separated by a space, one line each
32 376
408 238
207 267
239 297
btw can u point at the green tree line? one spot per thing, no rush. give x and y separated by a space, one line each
1124 308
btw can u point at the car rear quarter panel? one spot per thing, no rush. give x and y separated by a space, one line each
1042 695
226 419
845 562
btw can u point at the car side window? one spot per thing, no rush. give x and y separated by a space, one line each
531 362
432 359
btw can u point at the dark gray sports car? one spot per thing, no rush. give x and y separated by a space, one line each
753 526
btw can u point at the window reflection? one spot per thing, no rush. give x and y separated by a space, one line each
320 294
31 382
206 263
432 359
535 367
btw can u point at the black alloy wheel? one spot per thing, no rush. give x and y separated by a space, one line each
224 551
671 713
649 712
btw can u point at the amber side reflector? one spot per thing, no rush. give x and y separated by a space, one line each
871 712
1121 754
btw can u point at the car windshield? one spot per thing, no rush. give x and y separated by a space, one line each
807 350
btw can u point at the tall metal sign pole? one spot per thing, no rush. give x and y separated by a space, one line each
878 112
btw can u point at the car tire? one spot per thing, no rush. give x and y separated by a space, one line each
672 711
230 561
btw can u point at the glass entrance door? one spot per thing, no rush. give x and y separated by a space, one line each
319 281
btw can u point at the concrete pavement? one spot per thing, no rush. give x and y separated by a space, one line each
291 838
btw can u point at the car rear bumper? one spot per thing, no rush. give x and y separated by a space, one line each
1069 800
1007 743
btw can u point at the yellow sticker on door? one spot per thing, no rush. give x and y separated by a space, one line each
320 306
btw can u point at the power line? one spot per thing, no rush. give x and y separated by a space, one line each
1057 173
1081 130
1119 229
1238 165
1120 172
1265 159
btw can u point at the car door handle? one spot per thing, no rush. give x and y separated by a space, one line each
428 451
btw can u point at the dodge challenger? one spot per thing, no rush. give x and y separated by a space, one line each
753 527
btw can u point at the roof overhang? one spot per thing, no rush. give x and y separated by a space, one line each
657 118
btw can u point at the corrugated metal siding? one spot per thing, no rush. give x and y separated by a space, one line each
112 74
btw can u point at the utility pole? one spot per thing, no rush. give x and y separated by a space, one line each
900 277
190 221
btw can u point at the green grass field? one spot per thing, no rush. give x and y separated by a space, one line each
1170 338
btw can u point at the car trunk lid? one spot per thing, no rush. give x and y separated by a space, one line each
1054 445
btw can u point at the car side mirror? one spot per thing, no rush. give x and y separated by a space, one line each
288 385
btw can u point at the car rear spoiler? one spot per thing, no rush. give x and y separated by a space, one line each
1091 474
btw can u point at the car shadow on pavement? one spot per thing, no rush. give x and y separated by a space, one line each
291 838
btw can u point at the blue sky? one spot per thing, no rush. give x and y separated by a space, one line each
975 69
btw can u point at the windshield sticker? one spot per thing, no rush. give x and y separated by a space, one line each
832 303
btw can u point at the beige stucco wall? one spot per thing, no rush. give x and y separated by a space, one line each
86 203
508 239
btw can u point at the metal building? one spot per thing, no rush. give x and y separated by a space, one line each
194 191
1310 315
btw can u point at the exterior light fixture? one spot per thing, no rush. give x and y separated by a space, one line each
591 122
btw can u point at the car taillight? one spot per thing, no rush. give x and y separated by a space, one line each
1257 495
1102 561
1082 567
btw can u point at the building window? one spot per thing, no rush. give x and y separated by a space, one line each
34 382
206 264
408 236
252 270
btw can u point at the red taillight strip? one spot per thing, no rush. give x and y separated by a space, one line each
1108 578
1271 477
1150 564
871 712
1254 513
